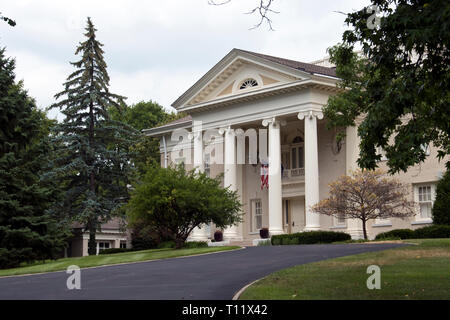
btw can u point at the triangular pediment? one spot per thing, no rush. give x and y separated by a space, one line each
239 73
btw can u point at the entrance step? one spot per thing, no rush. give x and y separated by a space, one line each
244 243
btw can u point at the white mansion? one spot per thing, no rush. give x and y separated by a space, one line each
250 105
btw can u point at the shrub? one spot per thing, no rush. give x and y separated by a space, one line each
396 234
441 206
117 250
264 243
264 233
166 245
195 244
218 236
434 231
310 237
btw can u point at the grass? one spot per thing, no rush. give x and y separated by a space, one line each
418 271
108 259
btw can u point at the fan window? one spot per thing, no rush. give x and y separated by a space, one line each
248 84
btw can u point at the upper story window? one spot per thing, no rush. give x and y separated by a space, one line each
248 83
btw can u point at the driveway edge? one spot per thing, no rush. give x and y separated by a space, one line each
119 264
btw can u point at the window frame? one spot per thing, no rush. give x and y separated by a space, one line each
254 215
419 217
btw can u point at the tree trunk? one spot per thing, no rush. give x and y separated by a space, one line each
364 229
92 244
93 223
179 242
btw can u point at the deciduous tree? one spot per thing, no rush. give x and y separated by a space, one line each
175 201
366 195
400 84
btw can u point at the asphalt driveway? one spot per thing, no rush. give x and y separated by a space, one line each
209 277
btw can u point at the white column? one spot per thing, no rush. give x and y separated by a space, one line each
311 167
230 175
354 226
199 233
275 192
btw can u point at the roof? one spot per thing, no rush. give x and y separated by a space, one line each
297 65
303 66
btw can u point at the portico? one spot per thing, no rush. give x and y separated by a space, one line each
307 123
250 110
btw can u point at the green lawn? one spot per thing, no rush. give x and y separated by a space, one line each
419 271
107 259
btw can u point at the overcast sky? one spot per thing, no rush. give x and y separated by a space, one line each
157 49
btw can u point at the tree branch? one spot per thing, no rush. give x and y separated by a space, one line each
263 9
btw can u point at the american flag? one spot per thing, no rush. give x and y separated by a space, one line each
264 176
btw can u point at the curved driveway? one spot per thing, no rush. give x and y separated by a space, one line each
208 277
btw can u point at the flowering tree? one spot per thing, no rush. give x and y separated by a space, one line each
366 195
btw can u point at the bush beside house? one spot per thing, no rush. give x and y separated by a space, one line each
434 231
310 237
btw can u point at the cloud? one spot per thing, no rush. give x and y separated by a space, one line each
158 49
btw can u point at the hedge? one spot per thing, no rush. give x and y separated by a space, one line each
310 237
195 244
397 234
434 231
117 250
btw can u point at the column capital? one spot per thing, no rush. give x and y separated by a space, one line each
194 135
226 130
273 121
310 113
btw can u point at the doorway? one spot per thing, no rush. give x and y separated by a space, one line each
287 216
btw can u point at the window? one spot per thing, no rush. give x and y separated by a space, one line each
123 245
248 84
207 165
425 200
257 215
340 220
102 245
298 157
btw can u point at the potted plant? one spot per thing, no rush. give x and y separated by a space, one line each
218 236
264 233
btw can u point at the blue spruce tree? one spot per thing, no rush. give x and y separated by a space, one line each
92 160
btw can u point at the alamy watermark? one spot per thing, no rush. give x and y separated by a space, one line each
374 19
74 280
374 280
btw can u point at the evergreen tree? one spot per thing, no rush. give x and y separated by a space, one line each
92 159
441 207
28 231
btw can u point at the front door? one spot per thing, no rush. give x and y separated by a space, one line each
287 216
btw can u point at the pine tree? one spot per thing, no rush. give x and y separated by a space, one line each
28 231
92 161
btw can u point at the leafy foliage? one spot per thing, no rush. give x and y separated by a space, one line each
430 232
175 201
396 234
441 206
366 195
398 91
92 159
140 116
28 231
9 21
